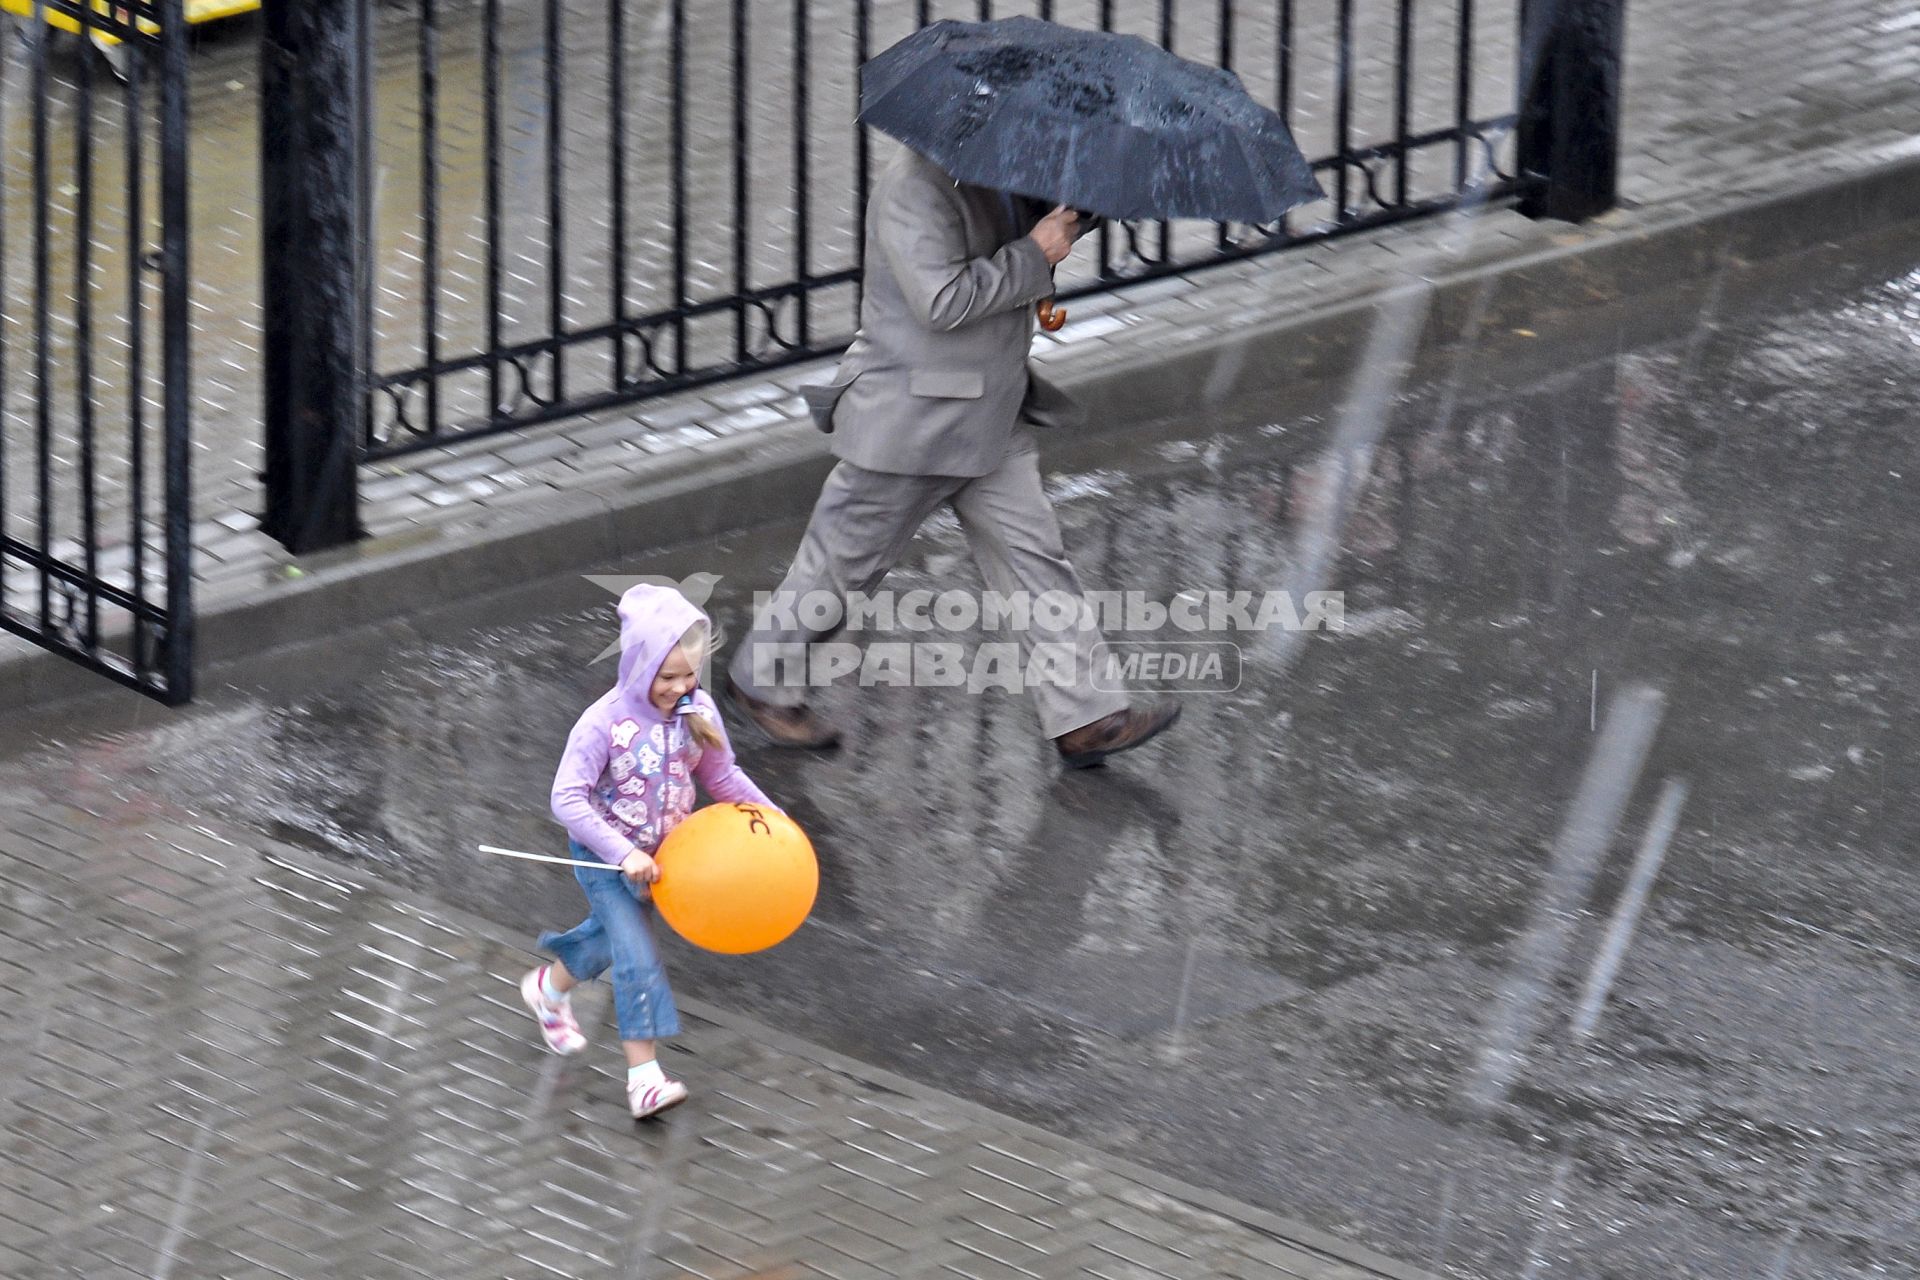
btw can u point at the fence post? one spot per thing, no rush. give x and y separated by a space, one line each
313 192
176 327
1569 130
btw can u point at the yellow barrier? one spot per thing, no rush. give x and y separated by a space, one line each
198 11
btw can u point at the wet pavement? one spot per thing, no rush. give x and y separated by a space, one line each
1274 954
251 1063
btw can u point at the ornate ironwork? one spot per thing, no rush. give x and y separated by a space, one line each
779 305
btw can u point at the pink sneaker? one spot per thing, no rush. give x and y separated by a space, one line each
651 1099
557 1024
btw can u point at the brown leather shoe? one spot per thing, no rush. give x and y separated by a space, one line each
783 726
1122 731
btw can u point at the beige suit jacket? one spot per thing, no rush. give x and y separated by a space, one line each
937 378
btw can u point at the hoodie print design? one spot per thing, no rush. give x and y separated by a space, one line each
627 778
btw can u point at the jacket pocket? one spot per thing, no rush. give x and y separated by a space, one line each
946 384
822 397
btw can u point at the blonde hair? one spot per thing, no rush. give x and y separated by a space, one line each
694 645
703 730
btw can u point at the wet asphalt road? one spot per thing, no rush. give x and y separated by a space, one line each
1268 955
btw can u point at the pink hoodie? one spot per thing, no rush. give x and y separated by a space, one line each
627 776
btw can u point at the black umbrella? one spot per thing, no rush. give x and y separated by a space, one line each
1104 123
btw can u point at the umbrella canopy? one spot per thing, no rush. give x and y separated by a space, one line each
1105 123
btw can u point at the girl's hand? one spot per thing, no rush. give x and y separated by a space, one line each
639 868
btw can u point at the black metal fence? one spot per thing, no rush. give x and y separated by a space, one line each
94 536
481 214
601 201
486 213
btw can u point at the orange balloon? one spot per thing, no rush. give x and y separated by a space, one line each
736 878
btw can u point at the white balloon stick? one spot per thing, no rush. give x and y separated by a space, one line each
547 857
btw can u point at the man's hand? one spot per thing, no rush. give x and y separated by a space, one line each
1056 233
639 868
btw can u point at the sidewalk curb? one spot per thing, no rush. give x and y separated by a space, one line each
774 474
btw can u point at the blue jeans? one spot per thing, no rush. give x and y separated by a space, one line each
618 935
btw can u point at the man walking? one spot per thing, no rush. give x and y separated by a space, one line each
931 405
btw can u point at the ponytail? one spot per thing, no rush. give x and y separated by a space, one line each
703 730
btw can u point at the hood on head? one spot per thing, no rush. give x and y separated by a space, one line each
652 620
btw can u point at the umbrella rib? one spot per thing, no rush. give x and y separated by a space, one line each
1258 173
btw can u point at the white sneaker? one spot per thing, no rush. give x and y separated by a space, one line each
557 1023
651 1099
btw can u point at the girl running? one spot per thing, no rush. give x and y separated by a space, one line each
625 782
